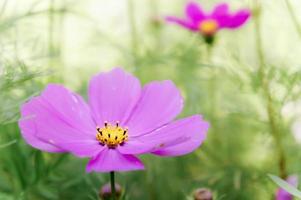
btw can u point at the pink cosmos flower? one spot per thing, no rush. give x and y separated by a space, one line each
209 23
120 121
281 194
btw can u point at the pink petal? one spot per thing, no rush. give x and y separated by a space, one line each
239 19
68 127
194 12
221 14
134 146
70 106
221 9
111 160
180 137
184 23
28 130
82 148
159 104
113 95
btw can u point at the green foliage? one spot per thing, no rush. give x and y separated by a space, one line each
16 83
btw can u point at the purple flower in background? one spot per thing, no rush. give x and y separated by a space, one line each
208 24
120 120
281 194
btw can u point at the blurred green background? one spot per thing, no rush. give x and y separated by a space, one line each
249 89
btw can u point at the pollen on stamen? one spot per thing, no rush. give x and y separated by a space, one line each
208 27
111 135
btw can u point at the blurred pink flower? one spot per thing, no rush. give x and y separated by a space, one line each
208 24
281 194
120 121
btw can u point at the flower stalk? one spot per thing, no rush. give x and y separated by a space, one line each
265 84
112 180
293 17
51 30
132 24
212 82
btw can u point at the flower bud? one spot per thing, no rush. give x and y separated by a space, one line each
105 192
202 194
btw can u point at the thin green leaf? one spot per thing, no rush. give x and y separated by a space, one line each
8 144
284 185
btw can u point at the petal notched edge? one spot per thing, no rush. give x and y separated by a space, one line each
159 104
195 12
113 95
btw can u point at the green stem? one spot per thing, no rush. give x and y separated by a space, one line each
131 15
265 84
50 25
212 86
293 17
213 95
112 178
60 42
156 26
212 83
50 31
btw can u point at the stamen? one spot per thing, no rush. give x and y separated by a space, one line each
208 27
111 135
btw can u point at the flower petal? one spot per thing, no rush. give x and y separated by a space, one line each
82 148
70 106
159 104
184 23
133 146
28 129
180 137
239 18
61 118
111 160
221 9
195 12
113 95
221 14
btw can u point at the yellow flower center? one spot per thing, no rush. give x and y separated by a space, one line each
111 135
208 27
